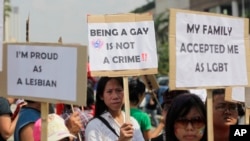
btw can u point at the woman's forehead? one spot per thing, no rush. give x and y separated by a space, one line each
113 83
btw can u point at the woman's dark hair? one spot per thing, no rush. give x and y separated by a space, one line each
180 107
169 95
90 97
136 89
100 106
240 107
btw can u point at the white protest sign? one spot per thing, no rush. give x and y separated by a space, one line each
1 33
235 94
202 93
210 51
122 46
238 94
46 71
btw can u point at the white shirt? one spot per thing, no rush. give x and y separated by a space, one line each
96 130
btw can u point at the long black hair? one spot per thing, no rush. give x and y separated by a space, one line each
100 106
180 107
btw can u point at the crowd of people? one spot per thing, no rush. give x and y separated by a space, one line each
183 116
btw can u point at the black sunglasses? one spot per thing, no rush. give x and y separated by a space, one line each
196 122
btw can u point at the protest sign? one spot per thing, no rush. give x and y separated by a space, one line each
45 72
122 45
207 51
247 97
235 94
206 48
1 33
150 82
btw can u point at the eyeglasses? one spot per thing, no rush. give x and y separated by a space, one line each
224 106
196 122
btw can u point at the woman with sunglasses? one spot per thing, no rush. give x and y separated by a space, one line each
186 119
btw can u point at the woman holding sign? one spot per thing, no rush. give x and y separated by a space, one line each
109 123
186 119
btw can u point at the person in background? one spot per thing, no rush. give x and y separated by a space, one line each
109 123
7 119
59 108
168 97
85 115
136 95
30 113
186 119
224 114
57 131
90 107
151 107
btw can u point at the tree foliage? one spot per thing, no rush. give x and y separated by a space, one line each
161 33
7 8
161 30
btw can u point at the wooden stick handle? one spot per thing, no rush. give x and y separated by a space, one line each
126 98
210 128
44 120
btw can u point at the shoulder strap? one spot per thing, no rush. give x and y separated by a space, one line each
107 124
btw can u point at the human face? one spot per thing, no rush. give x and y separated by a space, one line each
225 113
113 95
191 127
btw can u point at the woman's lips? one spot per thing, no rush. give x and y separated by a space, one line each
189 137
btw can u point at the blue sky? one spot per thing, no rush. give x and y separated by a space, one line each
50 19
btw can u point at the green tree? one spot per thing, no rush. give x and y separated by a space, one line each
161 22
163 59
7 8
161 33
149 6
161 28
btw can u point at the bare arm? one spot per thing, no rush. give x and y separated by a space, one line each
7 126
149 134
26 133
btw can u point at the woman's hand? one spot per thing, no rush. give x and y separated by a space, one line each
74 123
18 107
126 132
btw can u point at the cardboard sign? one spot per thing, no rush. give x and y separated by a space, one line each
247 97
1 33
122 44
235 94
202 93
206 48
150 82
45 72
